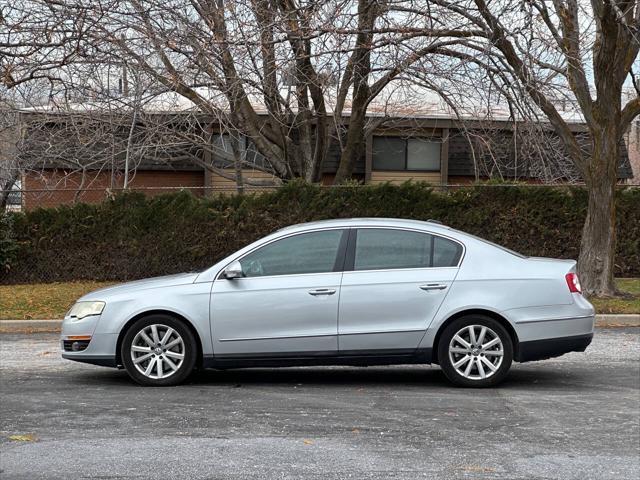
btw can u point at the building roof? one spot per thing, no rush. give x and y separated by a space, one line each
404 101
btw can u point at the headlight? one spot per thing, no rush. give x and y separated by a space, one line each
84 309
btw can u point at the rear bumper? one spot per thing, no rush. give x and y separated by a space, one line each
552 347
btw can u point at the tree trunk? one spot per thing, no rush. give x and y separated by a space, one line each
361 60
353 148
597 248
237 163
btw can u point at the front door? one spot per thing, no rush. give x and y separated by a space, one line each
286 304
396 283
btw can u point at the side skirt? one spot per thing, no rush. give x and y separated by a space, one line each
297 359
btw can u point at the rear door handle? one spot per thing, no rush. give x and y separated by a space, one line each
322 291
433 286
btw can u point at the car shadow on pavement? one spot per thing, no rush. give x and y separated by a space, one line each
427 377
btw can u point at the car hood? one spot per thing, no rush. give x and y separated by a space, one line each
147 283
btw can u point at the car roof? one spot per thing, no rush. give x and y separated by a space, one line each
368 222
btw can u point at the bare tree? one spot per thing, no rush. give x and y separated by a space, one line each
291 75
9 138
37 39
552 52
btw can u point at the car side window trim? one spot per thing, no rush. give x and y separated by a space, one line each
350 254
340 255
342 251
351 250
433 247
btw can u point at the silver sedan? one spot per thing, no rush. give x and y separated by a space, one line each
341 292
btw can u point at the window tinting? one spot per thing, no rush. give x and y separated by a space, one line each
389 153
446 253
423 154
382 249
313 252
378 249
397 153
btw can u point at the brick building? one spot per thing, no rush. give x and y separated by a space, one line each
422 144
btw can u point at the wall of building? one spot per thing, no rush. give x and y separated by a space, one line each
632 138
51 188
222 184
380 176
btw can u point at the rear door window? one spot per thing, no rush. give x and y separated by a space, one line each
384 249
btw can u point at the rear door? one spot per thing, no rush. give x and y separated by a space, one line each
393 285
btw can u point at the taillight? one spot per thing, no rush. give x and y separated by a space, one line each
573 282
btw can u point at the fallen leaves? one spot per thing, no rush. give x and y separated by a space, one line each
27 437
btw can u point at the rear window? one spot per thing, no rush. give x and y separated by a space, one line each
505 249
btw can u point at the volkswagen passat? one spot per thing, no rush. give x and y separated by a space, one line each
341 292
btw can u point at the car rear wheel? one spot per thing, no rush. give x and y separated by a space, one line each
159 350
475 351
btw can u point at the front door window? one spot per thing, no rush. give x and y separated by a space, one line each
315 252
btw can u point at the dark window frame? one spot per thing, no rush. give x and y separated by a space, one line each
406 155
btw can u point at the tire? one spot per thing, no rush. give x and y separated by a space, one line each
147 361
455 356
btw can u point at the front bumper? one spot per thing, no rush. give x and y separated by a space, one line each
101 349
552 347
101 360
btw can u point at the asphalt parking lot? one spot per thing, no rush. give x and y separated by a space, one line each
573 417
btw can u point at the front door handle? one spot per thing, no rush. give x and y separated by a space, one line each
322 291
433 286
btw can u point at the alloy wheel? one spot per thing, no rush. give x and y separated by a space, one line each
157 351
476 352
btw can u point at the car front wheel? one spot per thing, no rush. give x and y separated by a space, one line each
159 350
475 351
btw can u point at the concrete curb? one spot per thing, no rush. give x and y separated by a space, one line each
30 326
612 320
40 326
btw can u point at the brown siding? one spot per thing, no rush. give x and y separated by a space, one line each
380 176
222 184
51 188
469 180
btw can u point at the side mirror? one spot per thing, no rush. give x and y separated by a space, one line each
234 270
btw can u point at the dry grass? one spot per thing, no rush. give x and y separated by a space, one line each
630 286
42 300
52 300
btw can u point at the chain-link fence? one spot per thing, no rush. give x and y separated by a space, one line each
29 199
24 200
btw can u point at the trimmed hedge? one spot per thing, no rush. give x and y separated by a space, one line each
134 236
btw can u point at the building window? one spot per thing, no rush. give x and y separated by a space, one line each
249 155
397 153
